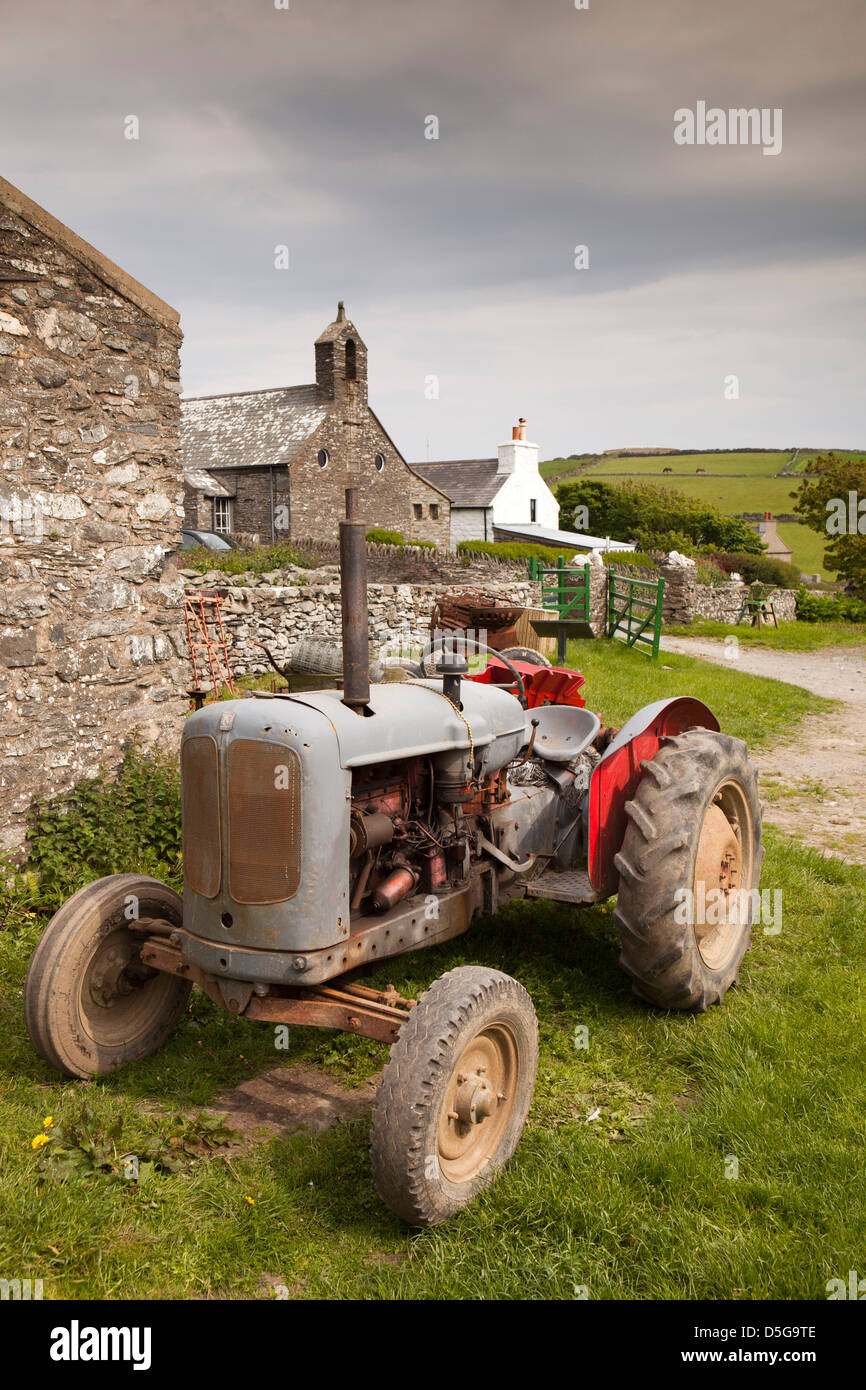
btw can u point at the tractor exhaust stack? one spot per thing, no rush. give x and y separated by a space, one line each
353 601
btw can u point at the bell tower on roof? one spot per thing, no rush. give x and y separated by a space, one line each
341 362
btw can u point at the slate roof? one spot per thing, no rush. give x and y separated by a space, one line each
200 481
567 540
248 429
468 482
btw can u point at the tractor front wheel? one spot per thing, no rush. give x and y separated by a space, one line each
454 1095
90 1004
689 869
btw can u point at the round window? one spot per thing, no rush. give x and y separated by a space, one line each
322 458
380 462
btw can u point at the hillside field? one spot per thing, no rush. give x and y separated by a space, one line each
737 482
759 464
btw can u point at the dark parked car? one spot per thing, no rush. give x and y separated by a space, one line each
210 539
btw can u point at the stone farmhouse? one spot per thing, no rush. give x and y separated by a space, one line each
91 621
506 493
268 465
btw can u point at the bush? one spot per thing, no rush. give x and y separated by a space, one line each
261 559
652 514
630 557
823 608
666 541
381 536
509 550
759 568
108 825
709 572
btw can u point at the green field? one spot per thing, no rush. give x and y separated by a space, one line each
758 491
754 464
563 468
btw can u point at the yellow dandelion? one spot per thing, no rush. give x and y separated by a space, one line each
39 1141
48 1122
251 1201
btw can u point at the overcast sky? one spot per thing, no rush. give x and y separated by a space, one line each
305 127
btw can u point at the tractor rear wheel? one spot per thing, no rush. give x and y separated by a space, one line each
689 868
527 654
454 1095
90 1005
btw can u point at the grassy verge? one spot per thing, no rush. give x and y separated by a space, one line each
793 637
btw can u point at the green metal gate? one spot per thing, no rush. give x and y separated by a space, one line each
565 591
635 611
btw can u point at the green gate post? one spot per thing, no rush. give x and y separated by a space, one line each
532 567
658 628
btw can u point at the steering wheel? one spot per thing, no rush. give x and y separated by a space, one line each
439 643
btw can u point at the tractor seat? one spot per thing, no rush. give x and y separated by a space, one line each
563 731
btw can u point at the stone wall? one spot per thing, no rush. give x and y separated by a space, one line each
281 613
90 502
723 602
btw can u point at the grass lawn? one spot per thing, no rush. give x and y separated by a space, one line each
622 1181
794 637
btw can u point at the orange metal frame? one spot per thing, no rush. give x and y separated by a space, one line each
197 607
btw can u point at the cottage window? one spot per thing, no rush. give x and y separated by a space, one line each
322 458
222 516
379 461
418 510
533 506
434 511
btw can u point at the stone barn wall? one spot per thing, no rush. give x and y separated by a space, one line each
90 502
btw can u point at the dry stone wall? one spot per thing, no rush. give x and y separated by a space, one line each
287 606
91 646
723 602
280 614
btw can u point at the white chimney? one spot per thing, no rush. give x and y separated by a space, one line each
517 454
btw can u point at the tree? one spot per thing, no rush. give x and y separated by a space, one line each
833 502
641 511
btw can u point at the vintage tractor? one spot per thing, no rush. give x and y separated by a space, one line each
324 832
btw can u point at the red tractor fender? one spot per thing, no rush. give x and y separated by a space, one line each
616 778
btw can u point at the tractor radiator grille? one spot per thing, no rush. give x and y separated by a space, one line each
201 816
264 800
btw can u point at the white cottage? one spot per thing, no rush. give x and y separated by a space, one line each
505 492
